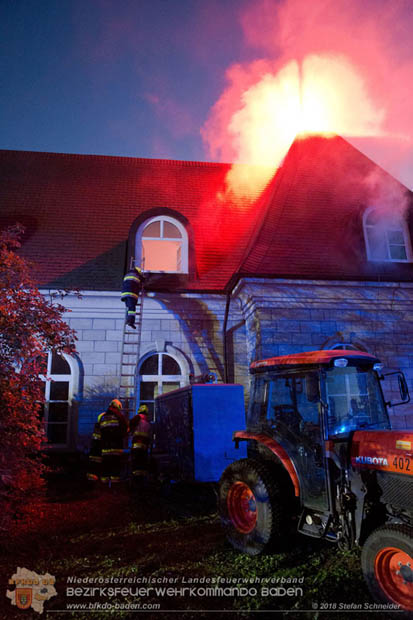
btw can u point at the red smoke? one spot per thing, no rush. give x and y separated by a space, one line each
348 65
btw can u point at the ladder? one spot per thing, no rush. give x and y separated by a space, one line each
129 358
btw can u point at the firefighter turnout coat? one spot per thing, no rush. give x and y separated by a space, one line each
132 284
95 453
141 432
113 429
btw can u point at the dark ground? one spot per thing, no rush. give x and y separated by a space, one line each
174 535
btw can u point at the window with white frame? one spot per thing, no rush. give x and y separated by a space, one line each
159 373
58 393
387 236
162 245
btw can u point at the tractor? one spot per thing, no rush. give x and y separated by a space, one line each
322 457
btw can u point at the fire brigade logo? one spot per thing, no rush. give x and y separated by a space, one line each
23 597
32 590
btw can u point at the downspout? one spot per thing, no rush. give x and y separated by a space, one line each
227 305
224 328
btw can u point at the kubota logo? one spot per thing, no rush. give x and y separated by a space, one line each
372 460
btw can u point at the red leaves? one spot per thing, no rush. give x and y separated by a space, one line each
30 325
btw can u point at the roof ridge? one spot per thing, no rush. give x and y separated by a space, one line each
178 162
276 182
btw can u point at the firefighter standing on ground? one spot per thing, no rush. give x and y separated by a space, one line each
109 435
132 286
95 454
141 432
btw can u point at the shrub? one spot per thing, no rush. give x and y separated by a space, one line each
30 326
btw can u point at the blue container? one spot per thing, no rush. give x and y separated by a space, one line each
193 431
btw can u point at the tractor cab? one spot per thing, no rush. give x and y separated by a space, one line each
301 401
335 391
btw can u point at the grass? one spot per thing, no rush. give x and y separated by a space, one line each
109 535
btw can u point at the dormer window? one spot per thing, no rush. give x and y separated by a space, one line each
387 236
162 245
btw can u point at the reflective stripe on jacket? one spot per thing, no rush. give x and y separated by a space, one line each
113 428
132 285
141 430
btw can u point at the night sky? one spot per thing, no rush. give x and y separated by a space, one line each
163 78
127 77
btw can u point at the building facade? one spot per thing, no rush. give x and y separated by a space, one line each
321 258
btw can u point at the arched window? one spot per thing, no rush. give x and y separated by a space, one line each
158 373
58 393
344 346
162 245
387 236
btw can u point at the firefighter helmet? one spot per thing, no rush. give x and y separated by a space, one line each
115 404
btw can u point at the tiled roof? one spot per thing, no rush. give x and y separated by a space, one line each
313 226
78 211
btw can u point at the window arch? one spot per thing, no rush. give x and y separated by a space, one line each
345 341
158 373
387 236
58 390
162 245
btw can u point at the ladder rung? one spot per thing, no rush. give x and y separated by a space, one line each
129 357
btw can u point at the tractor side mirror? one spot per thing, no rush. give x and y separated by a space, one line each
403 389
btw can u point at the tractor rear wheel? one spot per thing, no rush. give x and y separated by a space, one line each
251 506
387 564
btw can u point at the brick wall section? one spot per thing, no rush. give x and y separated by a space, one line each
287 316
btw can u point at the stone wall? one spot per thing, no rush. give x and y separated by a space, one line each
266 318
189 326
290 316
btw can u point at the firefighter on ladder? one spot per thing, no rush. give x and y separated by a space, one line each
141 432
132 286
108 436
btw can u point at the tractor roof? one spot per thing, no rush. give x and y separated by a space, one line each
311 358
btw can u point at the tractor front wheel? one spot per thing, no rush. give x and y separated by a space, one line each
251 506
387 564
